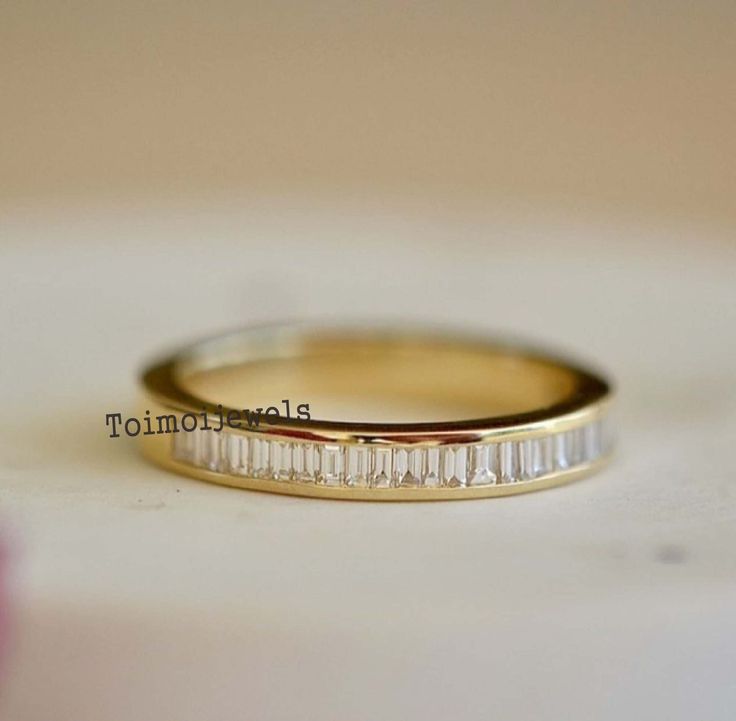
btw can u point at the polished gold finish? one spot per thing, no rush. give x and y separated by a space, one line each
419 414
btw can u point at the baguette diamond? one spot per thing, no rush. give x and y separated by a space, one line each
542 456
483 465
304 462
407 472
386 467
431 467
331 463
508 461
454 465
380 473
282 467
357 467
259 466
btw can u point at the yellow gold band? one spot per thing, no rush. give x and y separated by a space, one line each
505 419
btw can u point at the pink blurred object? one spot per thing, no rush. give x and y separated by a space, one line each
4 604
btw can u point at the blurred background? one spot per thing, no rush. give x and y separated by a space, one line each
560 171
587 107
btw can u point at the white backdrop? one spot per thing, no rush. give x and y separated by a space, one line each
138 595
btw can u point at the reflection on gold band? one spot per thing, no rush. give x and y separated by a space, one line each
421 415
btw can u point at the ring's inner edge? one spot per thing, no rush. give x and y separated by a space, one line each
377 380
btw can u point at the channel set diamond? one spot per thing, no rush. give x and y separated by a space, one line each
386 467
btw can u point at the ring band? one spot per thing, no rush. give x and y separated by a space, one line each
517 420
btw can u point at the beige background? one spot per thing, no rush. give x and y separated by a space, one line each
577 105
563 172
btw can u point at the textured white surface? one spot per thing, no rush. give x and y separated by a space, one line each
143 596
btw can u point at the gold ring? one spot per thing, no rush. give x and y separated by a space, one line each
504 419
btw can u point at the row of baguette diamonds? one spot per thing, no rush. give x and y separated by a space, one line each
376 466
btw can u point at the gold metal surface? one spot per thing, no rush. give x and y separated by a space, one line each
436 388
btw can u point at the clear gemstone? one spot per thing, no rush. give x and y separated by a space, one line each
543 460
561 451
259 465
222 463
575 444
570 448
526 459
304 462
592 441
280 460
236 454
357 466
416 465
454 464
231 452
508 461
331 464
482 471
431 468
196 444
183 446
405 468
209 455
360 466
198 447
380 474
400 465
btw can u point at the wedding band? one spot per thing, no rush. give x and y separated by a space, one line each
395 414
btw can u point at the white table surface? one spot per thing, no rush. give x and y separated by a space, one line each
138 595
